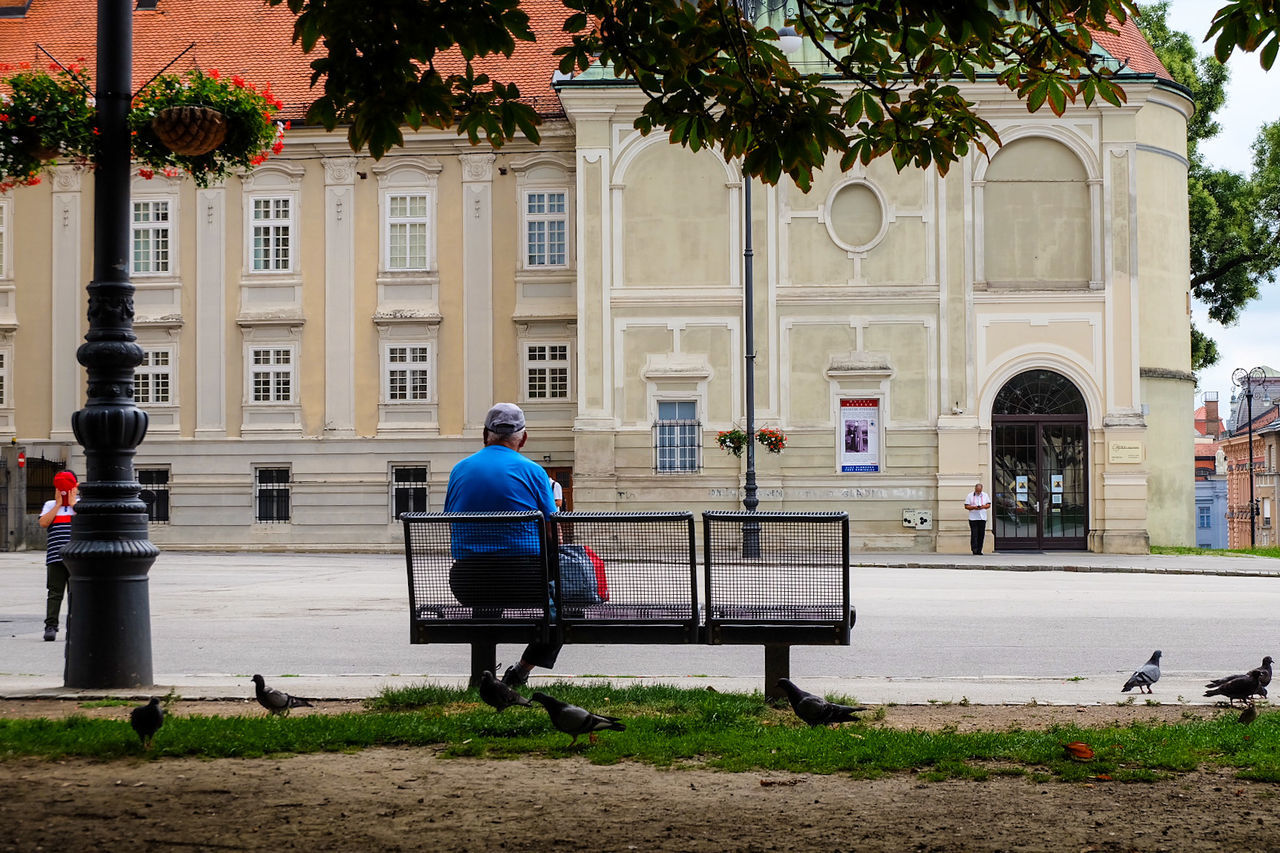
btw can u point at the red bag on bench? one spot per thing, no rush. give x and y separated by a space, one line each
602 583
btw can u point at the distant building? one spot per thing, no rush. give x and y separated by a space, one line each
1210 473
1239 463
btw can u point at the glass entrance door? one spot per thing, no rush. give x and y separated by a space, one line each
1039 493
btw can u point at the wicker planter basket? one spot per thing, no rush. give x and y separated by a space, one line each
191 131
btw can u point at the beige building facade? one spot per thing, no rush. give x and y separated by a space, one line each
325 334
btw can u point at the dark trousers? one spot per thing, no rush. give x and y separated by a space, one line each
488 585
56 581
977 533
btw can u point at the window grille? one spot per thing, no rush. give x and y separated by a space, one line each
271 495
409 489
677 437
155 492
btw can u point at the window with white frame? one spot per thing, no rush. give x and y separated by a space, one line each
4 378
271 233
1204 516
408 373
408 231
271 375
153 378
151 224
409 489
271 492
677 437
547 375
546 228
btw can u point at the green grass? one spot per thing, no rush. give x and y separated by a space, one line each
667 726
1274 553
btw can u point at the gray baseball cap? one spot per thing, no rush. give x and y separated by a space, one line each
504 419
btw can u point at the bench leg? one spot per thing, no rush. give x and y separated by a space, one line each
484 656
777 664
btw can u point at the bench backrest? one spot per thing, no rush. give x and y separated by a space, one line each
645 564
777 567
477 565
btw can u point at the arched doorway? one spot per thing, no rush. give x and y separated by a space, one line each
1039 446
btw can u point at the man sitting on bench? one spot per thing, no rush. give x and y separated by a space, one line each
491 572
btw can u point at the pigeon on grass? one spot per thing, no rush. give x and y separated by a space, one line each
147 720
1238 688
276 701
1145 675
1264 674
575 721
501 696
815 710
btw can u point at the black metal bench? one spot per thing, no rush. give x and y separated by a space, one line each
774 579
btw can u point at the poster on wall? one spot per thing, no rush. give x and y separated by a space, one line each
859 439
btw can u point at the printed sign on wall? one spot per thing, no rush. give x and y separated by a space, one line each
859 438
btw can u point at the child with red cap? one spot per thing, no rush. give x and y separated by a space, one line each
56 518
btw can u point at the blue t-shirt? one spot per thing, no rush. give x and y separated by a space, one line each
497 479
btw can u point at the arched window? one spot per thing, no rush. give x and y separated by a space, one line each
1039 392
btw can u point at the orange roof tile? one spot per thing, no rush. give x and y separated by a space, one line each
1130 47
249 38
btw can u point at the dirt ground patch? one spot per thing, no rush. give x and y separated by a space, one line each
411 799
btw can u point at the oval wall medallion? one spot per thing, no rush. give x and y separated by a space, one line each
856 216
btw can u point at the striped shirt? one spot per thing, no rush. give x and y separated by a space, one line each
59 532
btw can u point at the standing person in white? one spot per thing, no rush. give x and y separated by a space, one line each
977 502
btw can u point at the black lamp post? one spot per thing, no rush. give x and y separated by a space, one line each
1246 379
109 555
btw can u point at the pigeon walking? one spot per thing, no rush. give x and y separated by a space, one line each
1240 687
501 696
276 701
575 721
815 710
147 720
1145 676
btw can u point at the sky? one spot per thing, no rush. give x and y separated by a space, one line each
1253 98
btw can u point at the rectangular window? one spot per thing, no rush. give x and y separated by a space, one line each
546 229
4 378
153 378
408 374
271 375
150 237
409 489
271 495
408 231
547 371
155 492
4 239
1204 516
272 231
677 437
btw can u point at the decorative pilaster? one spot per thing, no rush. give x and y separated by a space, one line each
211 312
68 298
339 296
477 285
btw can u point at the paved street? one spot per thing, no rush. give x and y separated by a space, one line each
1057 628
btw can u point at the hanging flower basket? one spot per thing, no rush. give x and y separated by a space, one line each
204 124
772 439
732 440
190 131
46 118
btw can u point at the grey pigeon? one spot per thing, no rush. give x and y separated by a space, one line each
1249 714
147 720
1145 676
276 701
501 696
1264 674
815 710
575 721
1238 687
